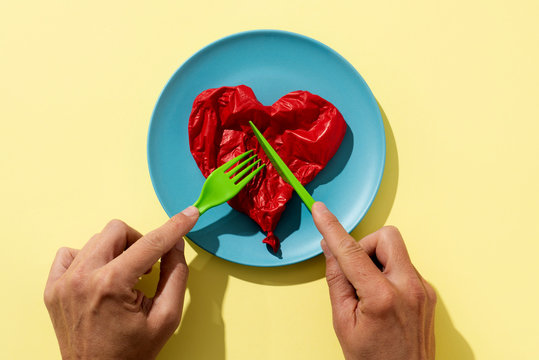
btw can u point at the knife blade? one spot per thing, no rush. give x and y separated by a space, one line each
282 169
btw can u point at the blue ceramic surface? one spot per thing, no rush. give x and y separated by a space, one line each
273 63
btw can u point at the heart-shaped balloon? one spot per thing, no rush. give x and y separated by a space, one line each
303 128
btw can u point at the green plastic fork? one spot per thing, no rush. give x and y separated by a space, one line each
222 184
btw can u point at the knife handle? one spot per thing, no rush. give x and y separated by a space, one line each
303 194
282 169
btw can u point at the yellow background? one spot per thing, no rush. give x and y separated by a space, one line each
458 82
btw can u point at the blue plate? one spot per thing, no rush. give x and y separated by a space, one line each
273 63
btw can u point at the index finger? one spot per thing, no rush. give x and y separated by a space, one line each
141 256
355 263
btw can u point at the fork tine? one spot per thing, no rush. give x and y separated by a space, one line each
238 167
230 163
239 175
249 177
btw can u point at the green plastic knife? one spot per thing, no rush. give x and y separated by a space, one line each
282 169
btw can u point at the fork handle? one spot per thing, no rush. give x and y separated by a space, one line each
201 210
304 195
203 206
205 203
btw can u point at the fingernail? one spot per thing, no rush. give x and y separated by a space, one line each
180 245
320 207
190 211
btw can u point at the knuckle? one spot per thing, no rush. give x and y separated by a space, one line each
75 282
60 290
170 318
390 232
387 300
173 320
116 225
50 295
333 224
416 293
57 291
61 251
349 247
431 293
156 242
103 283
333 277
179 224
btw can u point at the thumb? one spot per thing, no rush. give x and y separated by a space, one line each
341 293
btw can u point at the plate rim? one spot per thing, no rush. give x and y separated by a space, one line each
308 39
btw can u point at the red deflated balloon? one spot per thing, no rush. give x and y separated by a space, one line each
303 128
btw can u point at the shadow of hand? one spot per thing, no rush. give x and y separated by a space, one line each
450 344
202 330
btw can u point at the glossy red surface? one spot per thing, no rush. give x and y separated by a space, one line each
303 128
